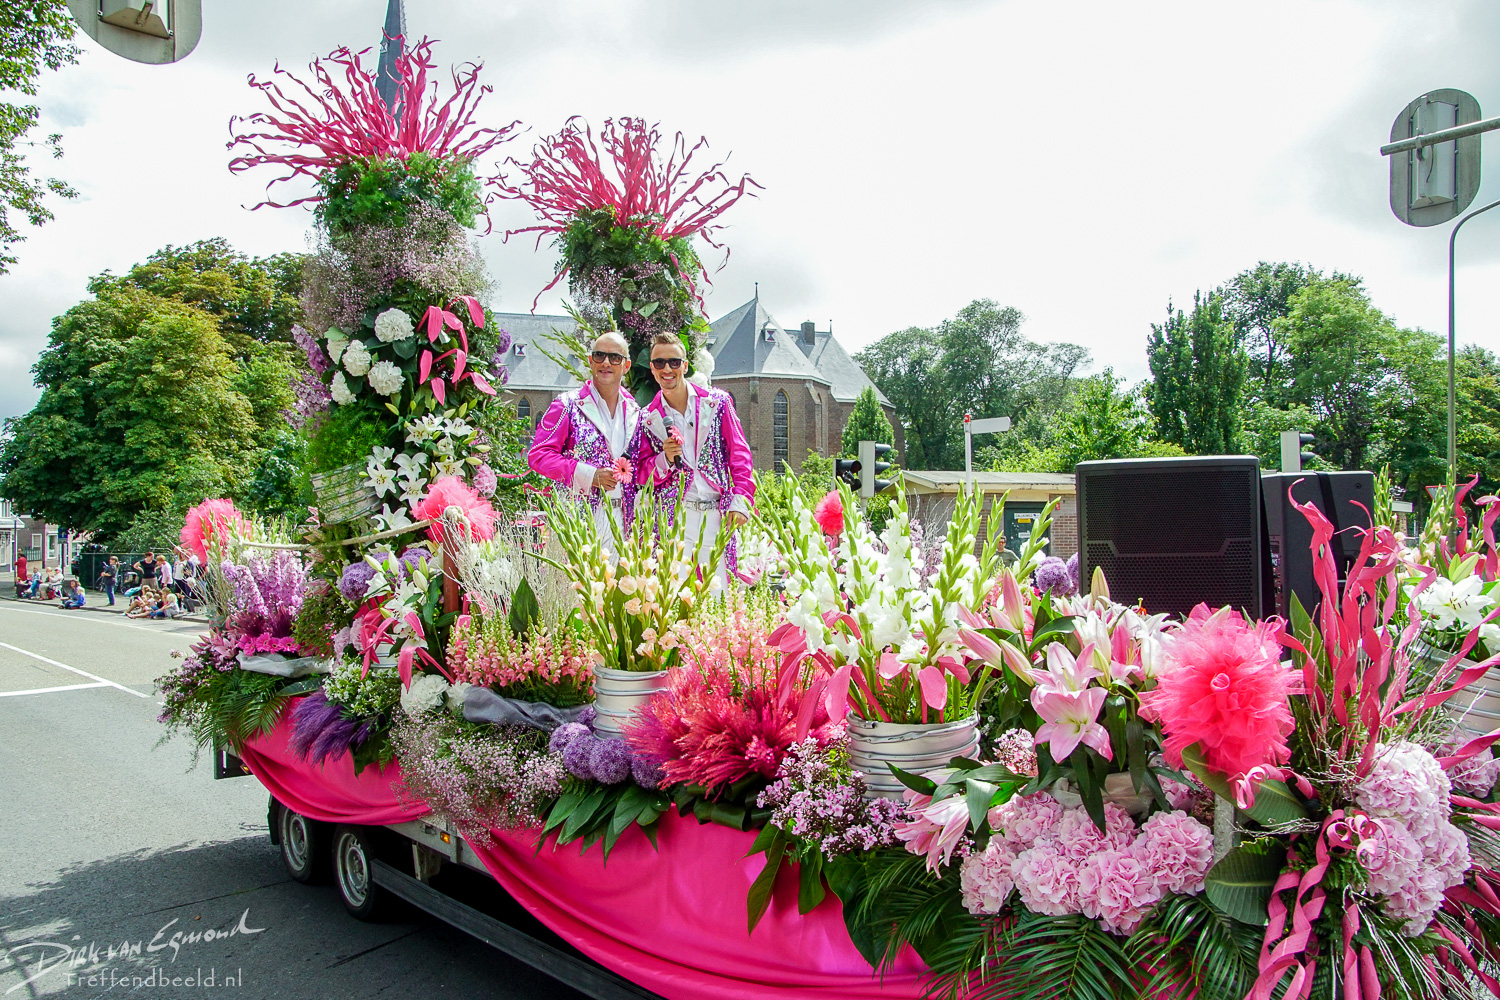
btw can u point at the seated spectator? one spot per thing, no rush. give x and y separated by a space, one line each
72 594
142 603
168 606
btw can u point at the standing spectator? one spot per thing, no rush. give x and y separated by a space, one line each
163 573
107 577
145 568
21 578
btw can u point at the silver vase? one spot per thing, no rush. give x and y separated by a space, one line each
618 693
913 747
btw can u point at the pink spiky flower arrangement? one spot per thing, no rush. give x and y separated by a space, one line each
570 174
332 122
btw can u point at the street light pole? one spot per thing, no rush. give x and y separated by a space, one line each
1452 432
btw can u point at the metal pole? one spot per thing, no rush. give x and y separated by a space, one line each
1446 135
1452 434
968 453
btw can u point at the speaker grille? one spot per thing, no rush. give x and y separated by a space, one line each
1173 534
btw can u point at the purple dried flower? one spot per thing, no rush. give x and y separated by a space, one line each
320 731
1052 577
578 756
647 773
610 761
355 581
564 735
317 359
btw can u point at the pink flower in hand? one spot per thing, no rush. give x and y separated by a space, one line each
623 468
1070 718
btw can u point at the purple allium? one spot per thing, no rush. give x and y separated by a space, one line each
413 557
485 480
578 756
1072 565
587 716
1052 577
502 344
610 761
647 773
355 581
565 734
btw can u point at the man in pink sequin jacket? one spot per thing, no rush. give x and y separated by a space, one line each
586 431
691 432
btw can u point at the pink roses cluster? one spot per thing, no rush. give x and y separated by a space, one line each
1058 862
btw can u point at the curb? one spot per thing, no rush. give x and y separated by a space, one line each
102 609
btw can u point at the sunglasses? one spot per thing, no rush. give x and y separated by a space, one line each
607 357
662 364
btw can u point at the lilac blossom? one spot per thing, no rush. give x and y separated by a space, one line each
819 799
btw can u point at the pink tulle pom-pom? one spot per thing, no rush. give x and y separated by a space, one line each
829 513
1223 688
211 519
450 491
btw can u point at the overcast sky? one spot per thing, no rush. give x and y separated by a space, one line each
1083 162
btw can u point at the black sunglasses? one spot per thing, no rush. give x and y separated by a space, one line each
662 364
601 357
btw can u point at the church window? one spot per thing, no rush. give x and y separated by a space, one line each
778 430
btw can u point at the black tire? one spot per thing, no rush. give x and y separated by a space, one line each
354 874
304 846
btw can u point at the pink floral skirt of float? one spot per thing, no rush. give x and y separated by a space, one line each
671 919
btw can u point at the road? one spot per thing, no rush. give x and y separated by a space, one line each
111 839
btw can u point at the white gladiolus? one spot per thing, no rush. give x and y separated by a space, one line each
393 325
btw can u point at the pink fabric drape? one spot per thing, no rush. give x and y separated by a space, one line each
671 919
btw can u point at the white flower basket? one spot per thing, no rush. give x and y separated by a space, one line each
618 693
914 747
1477 707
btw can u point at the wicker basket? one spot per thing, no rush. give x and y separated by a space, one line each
344 494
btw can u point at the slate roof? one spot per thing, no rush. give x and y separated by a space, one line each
737 340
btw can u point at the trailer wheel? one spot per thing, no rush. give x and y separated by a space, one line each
354 874
303 848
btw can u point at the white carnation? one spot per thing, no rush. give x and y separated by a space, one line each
356 359
340 389
393 325
425 694
386 378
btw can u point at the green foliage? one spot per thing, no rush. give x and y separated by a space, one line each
867 422
151 530
590 812
1194 946
139 410
1254 300
254 299
346 434
977 362
324 612
280 486
34 36
379 191
816 469
1198 369
1102 421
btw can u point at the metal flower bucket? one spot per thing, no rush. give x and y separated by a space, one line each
618 693
914 747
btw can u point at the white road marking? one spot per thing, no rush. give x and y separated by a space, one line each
65 687
95 619
80 673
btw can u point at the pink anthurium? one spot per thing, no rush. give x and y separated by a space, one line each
890 666
476 312
440 390
934 687
953 666
481 384
433 317
459 359
836 696
424 367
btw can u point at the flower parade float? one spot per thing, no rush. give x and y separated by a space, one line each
876 763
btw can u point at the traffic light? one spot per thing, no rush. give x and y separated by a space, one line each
846 470
870 467
1292 455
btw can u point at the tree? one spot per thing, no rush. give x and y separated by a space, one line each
1198 370
977 362
254 299
1253 301
139 412
34 36
867 422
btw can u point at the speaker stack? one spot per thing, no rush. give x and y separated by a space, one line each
1174 532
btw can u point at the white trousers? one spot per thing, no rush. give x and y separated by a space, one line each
702 533
601 524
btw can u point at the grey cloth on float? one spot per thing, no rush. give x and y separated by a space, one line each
483 705
280 666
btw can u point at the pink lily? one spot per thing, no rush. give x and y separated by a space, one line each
1070 718
935 829
996 653
1068 673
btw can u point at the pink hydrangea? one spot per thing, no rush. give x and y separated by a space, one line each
1046 880
1024 819
1117 889
1406 783
986 877
1477 775
1391 858
1177 850
1446 850
1078 837
1416 901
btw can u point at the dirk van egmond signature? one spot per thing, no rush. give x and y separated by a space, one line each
42 957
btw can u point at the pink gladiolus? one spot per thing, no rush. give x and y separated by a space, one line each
1070 718
328 124
934 829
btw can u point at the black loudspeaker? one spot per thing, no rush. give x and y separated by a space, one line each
1339 496
1173 532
